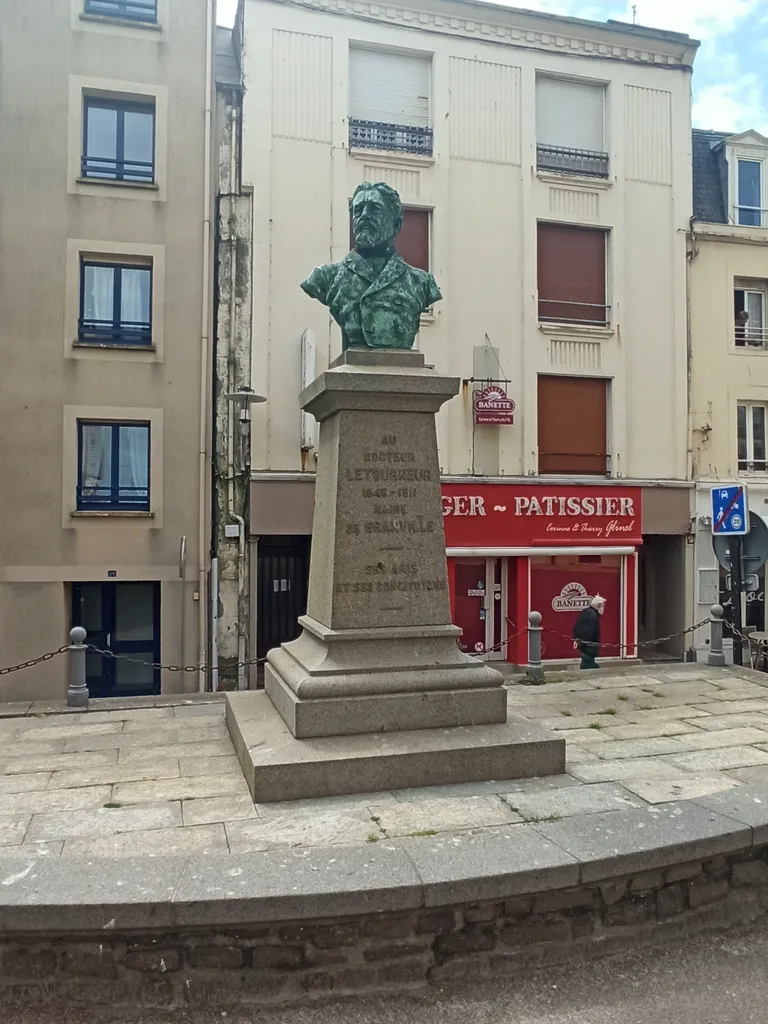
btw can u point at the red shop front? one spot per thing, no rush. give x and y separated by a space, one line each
514 548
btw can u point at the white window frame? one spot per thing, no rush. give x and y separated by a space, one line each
753 148
748 465
577 162
752 338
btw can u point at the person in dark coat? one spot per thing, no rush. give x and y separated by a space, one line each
586 632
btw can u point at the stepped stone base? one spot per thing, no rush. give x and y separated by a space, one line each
277 766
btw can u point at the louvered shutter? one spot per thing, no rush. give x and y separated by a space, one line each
413 241
572 425
571 274
390 88
570 114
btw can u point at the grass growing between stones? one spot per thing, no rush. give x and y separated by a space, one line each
596 725
608 711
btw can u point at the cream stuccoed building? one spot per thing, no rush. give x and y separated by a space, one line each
544 164
105 330
728 283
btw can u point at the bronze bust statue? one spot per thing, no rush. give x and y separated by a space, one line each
373 294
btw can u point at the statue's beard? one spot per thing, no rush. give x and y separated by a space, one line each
371 239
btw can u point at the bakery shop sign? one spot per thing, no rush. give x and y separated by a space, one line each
493 405
512 515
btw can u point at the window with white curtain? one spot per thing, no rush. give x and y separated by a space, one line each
389 100
115 304
751 437
118 140
113 466
570 126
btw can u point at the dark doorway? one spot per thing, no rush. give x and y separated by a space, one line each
661 597
124 619
281 584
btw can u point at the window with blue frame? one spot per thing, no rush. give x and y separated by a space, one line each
113 466
131 10
118 140
115 304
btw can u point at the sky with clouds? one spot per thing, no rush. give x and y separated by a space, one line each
729 83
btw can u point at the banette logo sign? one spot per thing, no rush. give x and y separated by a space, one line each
492 405
572 598
521 515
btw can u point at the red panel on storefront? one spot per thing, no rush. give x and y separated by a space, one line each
561 587
513 515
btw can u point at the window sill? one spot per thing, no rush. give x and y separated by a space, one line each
749 350
108 346
106 19
568 330
110 514
147 186
391 156
427 318
582 180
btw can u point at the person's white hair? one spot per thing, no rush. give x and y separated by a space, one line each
597 602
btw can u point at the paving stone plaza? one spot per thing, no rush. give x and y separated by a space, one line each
163 780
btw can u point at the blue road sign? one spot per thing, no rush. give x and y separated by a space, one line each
730 515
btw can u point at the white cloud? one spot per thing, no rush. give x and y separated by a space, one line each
700 18
735 106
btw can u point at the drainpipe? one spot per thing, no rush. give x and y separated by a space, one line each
202 536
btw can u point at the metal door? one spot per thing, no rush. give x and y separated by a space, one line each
282 581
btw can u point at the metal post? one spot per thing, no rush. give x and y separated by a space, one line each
77 694
534 669
716 656
736 588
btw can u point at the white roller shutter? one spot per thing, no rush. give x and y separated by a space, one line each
388 87
570 114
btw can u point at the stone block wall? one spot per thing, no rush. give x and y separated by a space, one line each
285 962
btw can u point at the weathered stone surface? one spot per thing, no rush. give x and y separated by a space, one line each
634 911
393 951
227 765
31 850
24 783
103 821
94 962
170 842
646 881
534 931
219 808
748 805
287 831
403 819
720 760
216 957
512 860
137 755
712 739
702 892
685 787
563 803
28 962
162 768
286 958
626 842
157 960
436 922
567 899
388 927
750 872
670 901
55 800
473 938
622 770
13 830
179 789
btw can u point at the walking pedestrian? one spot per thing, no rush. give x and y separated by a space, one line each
586 632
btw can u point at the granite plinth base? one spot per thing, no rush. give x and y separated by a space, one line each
344 682
277 766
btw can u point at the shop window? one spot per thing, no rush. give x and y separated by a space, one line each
749 314
413 240
750 421
571 275
570 130
389 101
572 425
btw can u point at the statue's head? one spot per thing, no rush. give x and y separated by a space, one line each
377 216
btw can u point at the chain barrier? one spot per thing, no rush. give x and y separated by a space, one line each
497 647
33 661
167 668
637 646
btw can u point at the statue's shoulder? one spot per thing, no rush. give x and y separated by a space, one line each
322 279
424 282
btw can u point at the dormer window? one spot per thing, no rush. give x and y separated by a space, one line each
746 157
749 198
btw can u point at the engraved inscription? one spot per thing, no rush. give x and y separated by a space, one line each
389 482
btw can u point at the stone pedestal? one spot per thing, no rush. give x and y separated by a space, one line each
375 693
378 652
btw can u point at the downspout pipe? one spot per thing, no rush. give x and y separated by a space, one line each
202 533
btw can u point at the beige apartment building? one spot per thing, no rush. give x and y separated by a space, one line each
105 228
545 168
728 283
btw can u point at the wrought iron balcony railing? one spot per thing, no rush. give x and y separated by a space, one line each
106 332
110 169
572 161
395 137
588 314
97 498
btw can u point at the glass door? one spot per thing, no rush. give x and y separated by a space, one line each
122 619
480 606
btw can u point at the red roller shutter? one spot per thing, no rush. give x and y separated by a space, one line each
572 425
571 274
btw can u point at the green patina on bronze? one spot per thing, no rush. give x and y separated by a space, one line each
373 294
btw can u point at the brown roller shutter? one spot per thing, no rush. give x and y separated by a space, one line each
571 274
572 425
413 241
